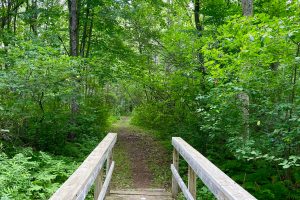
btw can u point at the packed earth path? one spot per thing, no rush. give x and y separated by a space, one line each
141 161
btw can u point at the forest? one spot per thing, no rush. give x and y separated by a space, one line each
222 74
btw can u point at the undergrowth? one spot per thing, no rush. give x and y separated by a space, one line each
33 175
30 174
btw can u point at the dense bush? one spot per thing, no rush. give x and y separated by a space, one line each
32 175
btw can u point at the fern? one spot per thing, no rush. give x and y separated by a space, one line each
31 175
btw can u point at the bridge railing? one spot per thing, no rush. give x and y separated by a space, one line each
222 186
90 172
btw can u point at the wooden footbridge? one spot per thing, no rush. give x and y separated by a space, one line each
91 172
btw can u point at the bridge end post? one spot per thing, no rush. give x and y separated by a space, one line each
176 165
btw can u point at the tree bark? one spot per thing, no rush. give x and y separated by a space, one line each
243 97
85 27
90 38
73 26
15 21
247 6
198 22
34 16
199 28
5 18
73 6
9 6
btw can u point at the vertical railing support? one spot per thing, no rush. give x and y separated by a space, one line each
176 165
192 182
98 184
108 165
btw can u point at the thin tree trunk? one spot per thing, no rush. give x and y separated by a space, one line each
247 6
198 22
90 38
294 86
74 40
3 15
34 16
199 28
84 34
243 97
8 14
15 21
73 26
294 81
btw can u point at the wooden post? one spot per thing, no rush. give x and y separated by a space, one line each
98 184
192 182
176 165
108 165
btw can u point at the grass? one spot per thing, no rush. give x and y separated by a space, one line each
122 176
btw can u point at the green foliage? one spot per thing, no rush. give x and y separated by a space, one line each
39 86
148 57
255 57
31 175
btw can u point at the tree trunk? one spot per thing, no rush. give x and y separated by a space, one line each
73 6
85 27
90 38
247 6
198 22
8 7
243 97
199 28
15 22
34 16
73 26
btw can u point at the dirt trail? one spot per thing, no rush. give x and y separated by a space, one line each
146 158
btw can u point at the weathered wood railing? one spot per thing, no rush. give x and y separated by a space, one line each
217 181
89 172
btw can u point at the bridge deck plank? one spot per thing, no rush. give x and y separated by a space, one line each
140 194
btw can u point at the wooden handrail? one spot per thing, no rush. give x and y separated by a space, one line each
222 186
80 182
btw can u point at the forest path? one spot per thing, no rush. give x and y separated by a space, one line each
141 161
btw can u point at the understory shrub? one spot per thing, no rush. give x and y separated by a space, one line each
32 175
